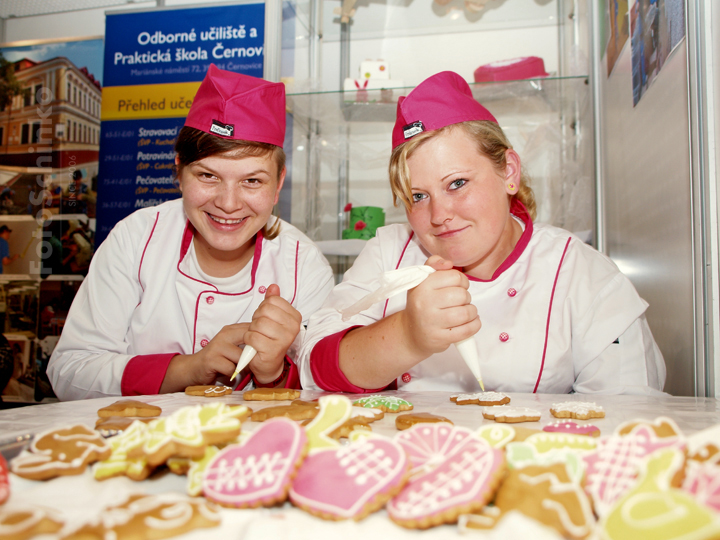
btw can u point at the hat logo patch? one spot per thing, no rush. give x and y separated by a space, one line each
413 129
226 130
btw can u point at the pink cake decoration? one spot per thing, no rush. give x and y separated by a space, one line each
352 481
464 482
702 481
259 471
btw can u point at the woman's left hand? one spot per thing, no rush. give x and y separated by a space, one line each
275 325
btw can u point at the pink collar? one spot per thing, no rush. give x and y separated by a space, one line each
517 209
188 236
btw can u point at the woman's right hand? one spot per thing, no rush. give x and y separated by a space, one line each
217 359
439 311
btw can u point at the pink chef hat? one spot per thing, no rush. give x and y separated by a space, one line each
440 100
237 106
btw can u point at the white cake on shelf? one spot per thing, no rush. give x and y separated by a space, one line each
373 75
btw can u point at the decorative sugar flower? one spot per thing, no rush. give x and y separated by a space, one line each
348 207
360 225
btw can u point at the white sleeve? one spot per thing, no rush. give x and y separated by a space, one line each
358 281
315 281
91 355
633 364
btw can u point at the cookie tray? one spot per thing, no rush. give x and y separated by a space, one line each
9 448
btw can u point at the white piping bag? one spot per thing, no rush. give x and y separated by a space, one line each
395 282
248 354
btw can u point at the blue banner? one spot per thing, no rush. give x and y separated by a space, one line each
154 62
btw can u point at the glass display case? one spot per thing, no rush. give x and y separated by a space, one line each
340 128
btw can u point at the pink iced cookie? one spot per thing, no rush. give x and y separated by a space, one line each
427 445
259 471
702 481
568 426
612 468
352 481
463 483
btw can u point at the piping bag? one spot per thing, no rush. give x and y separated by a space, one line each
248 354
394 282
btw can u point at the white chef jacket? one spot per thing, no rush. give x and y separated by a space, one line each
557 316
143 301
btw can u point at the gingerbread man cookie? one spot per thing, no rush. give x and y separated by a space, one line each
579 410
511 415
59 452
130 407
488 399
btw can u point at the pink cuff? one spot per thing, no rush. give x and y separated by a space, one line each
145 373
325 366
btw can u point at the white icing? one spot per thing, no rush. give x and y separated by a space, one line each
481 396
577 407
510 412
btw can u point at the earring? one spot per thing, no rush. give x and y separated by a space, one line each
512 187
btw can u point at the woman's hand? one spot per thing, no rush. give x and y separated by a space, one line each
275 325
439 311
218 358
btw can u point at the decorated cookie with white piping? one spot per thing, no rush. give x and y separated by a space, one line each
210 391
653 509
151 516
60 452
388 404
579 410
497 435
546 494
662 426
352 481
511 415
27 522
259 471
572 428
427 445
187 431
464 482
612 468
118 463
702 481
335 410
486 399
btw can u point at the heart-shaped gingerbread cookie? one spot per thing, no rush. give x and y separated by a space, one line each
259 471
352 481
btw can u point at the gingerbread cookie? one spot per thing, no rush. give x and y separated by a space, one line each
130 407
662 426
271 394
427 445
22 523
481 398
151 516
572 428
130 441
546 494
653 509
189 430
702 481
59 452
297 410
360 419
359 479
388 404
607 484
258 472
119 423
405 421
579 410
511 415
465 481
208 390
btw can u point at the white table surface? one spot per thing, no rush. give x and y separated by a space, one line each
79 497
